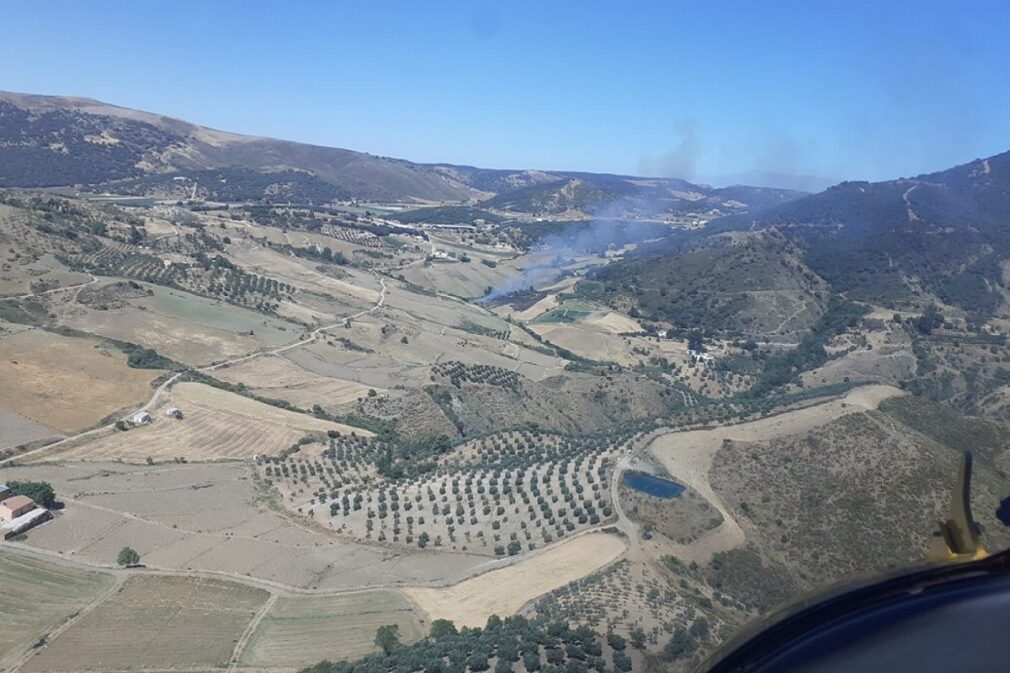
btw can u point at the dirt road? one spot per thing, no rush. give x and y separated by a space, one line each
165 385
687 456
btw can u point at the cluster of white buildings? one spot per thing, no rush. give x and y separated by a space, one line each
701 356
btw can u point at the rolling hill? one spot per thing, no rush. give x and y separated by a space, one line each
55 141
901 244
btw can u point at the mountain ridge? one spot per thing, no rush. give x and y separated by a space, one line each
56 141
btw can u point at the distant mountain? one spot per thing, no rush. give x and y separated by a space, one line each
57 141
900 244
775 180
53 141
587 194
945 234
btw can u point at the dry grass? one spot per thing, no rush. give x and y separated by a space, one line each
67 383
216 425
304 630
37 596
504 591
276 377
156 622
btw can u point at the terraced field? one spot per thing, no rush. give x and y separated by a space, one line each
156 622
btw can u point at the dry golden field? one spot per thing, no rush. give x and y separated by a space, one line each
156 622
276 377
304 630
67 383
216 425
505 590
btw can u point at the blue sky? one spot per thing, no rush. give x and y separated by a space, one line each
848 90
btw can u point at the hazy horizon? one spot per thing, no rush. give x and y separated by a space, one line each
850 93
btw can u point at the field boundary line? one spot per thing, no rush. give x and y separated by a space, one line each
62 628
254 623
313 336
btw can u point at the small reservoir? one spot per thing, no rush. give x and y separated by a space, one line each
652 485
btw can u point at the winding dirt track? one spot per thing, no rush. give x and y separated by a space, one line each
687 456
153 401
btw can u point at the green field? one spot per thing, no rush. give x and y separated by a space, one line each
569 311
304 630
219 315
37 596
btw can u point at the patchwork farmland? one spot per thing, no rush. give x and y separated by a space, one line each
146 622
38 596
215 425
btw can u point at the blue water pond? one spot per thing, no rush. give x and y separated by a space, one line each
657 486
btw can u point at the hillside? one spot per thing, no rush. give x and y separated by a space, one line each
55 141
589 194
903 244
940 236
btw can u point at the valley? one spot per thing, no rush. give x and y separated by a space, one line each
618 417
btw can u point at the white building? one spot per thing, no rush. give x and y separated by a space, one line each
699 356
141 417
173 412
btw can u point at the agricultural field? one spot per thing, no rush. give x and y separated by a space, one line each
16 430
218 315
67 383
276 377
156 622
216 279
305 275
469 279
500 495
300 631
215 517
215 425
45 273
182 326
38 596
505 591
